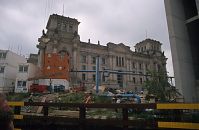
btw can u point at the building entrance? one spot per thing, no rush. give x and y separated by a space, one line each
120 80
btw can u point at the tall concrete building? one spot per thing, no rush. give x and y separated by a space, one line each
62 39
183 26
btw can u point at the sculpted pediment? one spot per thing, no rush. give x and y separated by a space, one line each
118 47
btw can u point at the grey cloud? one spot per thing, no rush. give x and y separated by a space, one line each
113 20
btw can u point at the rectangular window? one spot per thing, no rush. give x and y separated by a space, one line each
133 64
103 78
21 84
123 61
93 60
83 77
120 61
24 83
94 67
140 80
20 68
23 68
83 67
117 61
2 55
134 80
83 59
103 61
140 66
2 68
190 8
70 28
93 77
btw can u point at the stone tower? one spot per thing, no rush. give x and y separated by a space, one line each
153 48
61 39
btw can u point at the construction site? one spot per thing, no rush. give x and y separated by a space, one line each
67 70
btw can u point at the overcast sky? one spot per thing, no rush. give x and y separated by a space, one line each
126 21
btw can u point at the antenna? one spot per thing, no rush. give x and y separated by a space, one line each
63 10
9 46
20 49
17 48
146 34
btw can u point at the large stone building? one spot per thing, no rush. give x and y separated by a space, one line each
127 67
183 26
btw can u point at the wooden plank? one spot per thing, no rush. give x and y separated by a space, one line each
178 125
178 106
41 107
16 103
93 105
18 117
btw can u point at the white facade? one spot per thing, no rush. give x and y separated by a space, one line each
25 71
8 69
54 82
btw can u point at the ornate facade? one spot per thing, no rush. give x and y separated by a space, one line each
62 36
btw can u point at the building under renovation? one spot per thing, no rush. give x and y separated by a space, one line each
63 56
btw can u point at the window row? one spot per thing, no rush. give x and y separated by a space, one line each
66 27
3 55
84 59
23 68
141 49
61 55
135 80
21 84
93 77
2 69
119 61
59 67
140 66
84 67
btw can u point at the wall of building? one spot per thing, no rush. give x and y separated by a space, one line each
54 82
8 77
118 51
180 48
56 66
24 76
69 40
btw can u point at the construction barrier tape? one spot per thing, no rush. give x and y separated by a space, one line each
177 106
18 117
16 103
179 125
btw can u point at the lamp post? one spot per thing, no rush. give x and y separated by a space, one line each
97 74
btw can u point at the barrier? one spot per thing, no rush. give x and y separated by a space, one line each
175 108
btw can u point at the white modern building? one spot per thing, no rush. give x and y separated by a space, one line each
8 69
25 71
